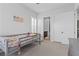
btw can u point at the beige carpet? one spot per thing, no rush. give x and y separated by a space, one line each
46 48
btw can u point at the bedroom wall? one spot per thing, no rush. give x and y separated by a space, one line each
62 20
64 27
7 23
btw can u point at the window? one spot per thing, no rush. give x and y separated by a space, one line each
33 25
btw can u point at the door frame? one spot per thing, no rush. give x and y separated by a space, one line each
48 17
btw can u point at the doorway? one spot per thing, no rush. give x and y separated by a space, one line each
46 31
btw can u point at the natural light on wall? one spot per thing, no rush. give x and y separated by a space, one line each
33 25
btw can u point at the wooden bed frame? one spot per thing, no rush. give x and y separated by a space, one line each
10 44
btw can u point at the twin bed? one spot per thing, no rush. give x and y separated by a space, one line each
12 43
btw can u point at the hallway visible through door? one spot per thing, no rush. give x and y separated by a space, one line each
46 28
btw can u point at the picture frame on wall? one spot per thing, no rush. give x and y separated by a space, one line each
18 18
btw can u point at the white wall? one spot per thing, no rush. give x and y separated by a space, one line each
64 23
40 26
7 23
62 20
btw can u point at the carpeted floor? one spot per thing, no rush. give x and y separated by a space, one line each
46 48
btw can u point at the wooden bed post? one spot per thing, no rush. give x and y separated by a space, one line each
6 47
19 47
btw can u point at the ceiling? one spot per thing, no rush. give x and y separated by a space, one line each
42 7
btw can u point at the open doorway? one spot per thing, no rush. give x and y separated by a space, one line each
77 28
46 28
